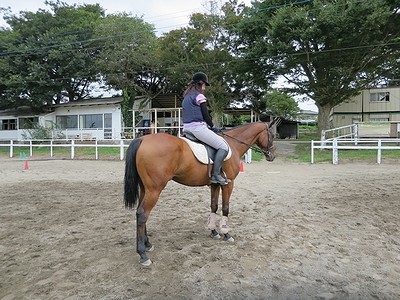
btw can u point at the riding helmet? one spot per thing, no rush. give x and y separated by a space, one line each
200 76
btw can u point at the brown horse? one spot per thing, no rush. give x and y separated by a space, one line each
155 159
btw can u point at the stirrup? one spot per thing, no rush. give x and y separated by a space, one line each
216 180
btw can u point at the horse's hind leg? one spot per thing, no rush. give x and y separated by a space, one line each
142 214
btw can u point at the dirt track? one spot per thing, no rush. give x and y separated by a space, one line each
302 232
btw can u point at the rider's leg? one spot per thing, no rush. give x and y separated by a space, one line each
217 167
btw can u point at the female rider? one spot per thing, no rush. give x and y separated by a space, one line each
197 121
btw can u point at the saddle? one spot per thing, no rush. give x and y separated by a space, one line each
203 152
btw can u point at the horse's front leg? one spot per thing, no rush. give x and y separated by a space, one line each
212 219
223 224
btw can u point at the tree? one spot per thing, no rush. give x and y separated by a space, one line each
50 59
204 45
327 50
281 105
128 59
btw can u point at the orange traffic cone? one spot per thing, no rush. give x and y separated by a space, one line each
26 166
241 168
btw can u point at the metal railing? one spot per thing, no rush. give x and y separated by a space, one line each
348 131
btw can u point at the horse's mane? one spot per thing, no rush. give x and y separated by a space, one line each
243 125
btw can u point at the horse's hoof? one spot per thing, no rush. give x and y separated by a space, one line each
146 263
228 238
214 234
150 249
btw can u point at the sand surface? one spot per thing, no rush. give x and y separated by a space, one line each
302 231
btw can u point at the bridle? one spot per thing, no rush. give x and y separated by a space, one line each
266 151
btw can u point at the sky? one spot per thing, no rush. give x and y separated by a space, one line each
165 15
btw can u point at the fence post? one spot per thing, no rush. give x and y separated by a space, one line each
323 137
121 149
355 128
51 148
335 154
312 151
72 149
11 148
379 151
248 156
97 150
30 148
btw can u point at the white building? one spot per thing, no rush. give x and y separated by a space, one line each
88 119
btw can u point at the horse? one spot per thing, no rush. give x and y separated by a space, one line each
151 161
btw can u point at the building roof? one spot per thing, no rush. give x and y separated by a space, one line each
23 111
167 101
90 102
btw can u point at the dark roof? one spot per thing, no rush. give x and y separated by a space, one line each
23 111
90 102
167 101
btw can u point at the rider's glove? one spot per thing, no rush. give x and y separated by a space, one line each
216 129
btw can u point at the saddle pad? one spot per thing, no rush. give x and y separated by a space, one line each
200 151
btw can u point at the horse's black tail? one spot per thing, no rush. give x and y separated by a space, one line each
132 179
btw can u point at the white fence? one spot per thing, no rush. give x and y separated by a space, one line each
359 144
71 144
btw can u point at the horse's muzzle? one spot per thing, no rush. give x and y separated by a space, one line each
270 155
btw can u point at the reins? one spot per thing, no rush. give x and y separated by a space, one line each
265 152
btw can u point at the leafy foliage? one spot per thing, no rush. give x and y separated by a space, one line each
48 57
327 50
281 105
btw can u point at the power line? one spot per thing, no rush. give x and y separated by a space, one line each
92 40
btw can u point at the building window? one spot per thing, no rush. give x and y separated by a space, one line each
91 121
28 123
67 122
379 119
8 124
380 97
107 120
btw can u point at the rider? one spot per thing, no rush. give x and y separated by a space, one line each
195 121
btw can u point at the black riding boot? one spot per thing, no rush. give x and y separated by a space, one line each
216 171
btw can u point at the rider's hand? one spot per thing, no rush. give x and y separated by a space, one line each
216 129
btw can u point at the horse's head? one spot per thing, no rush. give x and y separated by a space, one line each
266 141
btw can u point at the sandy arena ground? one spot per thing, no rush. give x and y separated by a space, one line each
302 232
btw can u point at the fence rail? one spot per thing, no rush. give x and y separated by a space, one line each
358 144
348 131
71 144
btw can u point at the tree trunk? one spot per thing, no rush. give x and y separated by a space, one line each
324 113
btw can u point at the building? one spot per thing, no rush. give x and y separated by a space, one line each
307 117
371 105
88 119
377 105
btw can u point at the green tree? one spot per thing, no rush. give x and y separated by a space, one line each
280 104
50 58
205 45
327 50
128 60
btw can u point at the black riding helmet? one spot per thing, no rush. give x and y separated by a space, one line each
200 76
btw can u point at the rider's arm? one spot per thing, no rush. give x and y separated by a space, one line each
206 115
